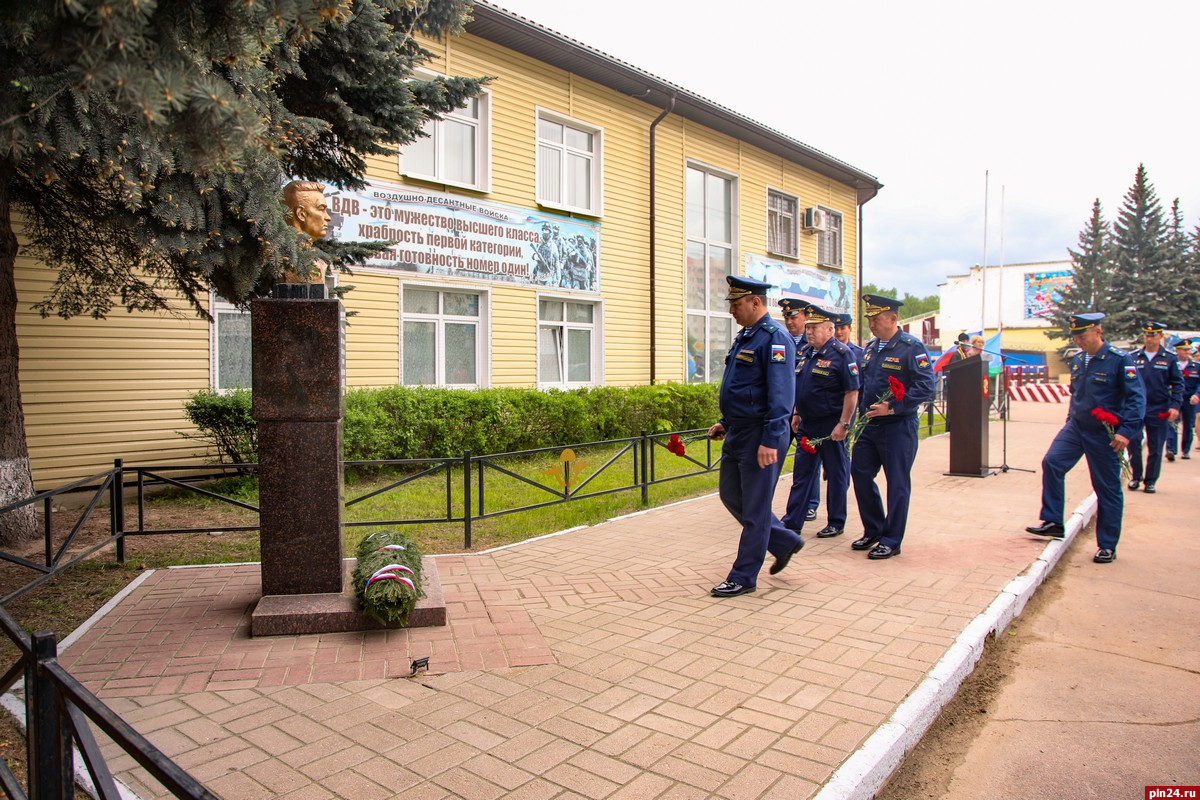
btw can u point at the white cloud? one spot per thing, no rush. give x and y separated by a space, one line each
1058 101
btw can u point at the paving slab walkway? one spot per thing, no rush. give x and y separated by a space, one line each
589 664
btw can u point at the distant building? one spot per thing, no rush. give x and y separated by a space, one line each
1019 296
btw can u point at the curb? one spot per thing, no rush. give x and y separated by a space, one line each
864 773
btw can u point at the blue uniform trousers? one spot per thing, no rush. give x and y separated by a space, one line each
1155 436
806 477
1104 467
892 446
747 490
1187 428
814 497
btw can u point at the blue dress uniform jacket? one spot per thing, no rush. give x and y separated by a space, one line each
757 395
1187 412
889 442
823 377
1108 381
1164 390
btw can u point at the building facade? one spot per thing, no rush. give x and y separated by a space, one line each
1019 296
571 227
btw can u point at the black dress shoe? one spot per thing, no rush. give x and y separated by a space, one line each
1149 488
1054 529
865 543
1133 485
829 531
1186 457
783 560
1170 456
1104 556
727 589
883 551
810 515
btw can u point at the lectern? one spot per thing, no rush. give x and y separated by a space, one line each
967 404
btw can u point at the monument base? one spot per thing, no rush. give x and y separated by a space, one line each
296 614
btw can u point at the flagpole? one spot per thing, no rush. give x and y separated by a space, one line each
983 266
1000 290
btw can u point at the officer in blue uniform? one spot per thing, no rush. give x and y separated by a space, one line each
1159 370
1102 377
826 395
889 438
841 330
757 395
795 319
1189 368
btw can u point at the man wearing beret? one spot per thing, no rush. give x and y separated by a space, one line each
826 395
1159 371
1190 370
795 319
889 438
757 394
1104 386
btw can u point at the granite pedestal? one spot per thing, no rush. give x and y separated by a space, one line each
291 614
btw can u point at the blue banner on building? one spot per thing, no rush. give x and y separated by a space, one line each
828 290
442 234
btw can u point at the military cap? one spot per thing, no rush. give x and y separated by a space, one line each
842 319
1153 327
791 307
817 314
1081 322
877 304
1185 343
740 287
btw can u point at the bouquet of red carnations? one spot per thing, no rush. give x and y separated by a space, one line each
1110 421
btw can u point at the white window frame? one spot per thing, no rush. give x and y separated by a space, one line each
596 196
483 144
595 327
791 224
482 336
713 310
217 307
823 239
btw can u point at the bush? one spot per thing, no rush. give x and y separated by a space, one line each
399 422
225 423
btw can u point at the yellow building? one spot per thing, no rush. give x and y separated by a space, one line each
570 227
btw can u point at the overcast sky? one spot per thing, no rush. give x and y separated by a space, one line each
1058 101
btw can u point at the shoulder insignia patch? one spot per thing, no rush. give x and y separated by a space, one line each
1131 373
778 353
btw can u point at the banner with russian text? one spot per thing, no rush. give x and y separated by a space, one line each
828 290
442 234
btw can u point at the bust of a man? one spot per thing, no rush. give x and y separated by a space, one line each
308 215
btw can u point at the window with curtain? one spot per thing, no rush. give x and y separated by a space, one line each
781 224
568 164
230 353
456 148
567 343
711 223
441 342
829 241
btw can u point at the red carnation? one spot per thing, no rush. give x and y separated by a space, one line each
896 387
806 446
675 445
1164 414
1105 417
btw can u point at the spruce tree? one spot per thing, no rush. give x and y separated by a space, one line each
143 147
1142 279
1183 305
1091 276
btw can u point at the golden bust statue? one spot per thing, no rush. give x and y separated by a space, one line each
308 215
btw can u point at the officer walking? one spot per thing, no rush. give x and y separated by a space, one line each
889 438
795 319
1190 370
1103 379
756 399
1159 370
826 395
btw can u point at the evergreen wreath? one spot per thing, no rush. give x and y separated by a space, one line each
387 579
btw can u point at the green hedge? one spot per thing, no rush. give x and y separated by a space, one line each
417 422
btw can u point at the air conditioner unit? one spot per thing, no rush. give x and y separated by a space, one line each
814 220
